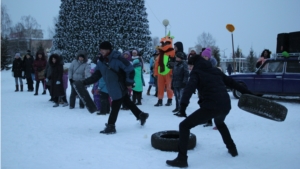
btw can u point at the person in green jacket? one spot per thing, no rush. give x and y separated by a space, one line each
138 82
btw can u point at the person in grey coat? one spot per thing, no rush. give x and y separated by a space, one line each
78 71
118 75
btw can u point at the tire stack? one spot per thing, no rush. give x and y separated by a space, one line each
289 42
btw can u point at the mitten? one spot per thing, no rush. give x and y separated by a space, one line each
71 81
57 82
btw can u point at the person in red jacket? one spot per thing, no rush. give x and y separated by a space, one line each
39 66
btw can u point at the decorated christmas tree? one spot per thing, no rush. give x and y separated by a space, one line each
82 25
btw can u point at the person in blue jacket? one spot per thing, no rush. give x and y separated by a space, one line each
118 75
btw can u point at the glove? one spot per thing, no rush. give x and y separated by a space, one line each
71 81
57 82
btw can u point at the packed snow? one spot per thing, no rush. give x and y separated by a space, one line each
34 135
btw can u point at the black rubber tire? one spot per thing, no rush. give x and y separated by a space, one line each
236 93
168 140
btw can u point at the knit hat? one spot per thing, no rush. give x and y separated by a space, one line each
213 62
105 45
17 55
207 52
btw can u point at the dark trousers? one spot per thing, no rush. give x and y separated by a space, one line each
104 102
73 98
29 82
38 84
116 105
201 116
136 96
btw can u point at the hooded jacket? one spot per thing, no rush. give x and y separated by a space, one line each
211 82
117 73
79 70
55 76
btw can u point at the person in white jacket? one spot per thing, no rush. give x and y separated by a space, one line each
78 70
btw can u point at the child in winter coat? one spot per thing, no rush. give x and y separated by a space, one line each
138 79
179 78
17 70
104 98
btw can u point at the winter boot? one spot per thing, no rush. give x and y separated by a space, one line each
178 162
169 103
175 110
21 88
44 92
232 150
179 114
17 88
143 116
159 103
65 104
109 129
207 124
56 105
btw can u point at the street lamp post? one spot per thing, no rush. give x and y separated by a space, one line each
231 28
165 23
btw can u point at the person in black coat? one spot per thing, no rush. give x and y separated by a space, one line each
211 83
180 77
56 77
28 69
17 69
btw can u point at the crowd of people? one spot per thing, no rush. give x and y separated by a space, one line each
180 77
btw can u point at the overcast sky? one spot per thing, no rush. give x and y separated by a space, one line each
257 22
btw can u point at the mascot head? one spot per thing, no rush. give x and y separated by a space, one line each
166 43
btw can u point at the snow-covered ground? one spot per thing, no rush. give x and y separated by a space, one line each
34 135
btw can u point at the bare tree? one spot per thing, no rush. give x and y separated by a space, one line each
5 22
155 41
32 27
205 40
198 48
51 30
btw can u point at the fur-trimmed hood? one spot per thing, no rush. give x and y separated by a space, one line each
82 53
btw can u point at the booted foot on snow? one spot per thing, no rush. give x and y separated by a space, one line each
109 129
178 162
143 116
